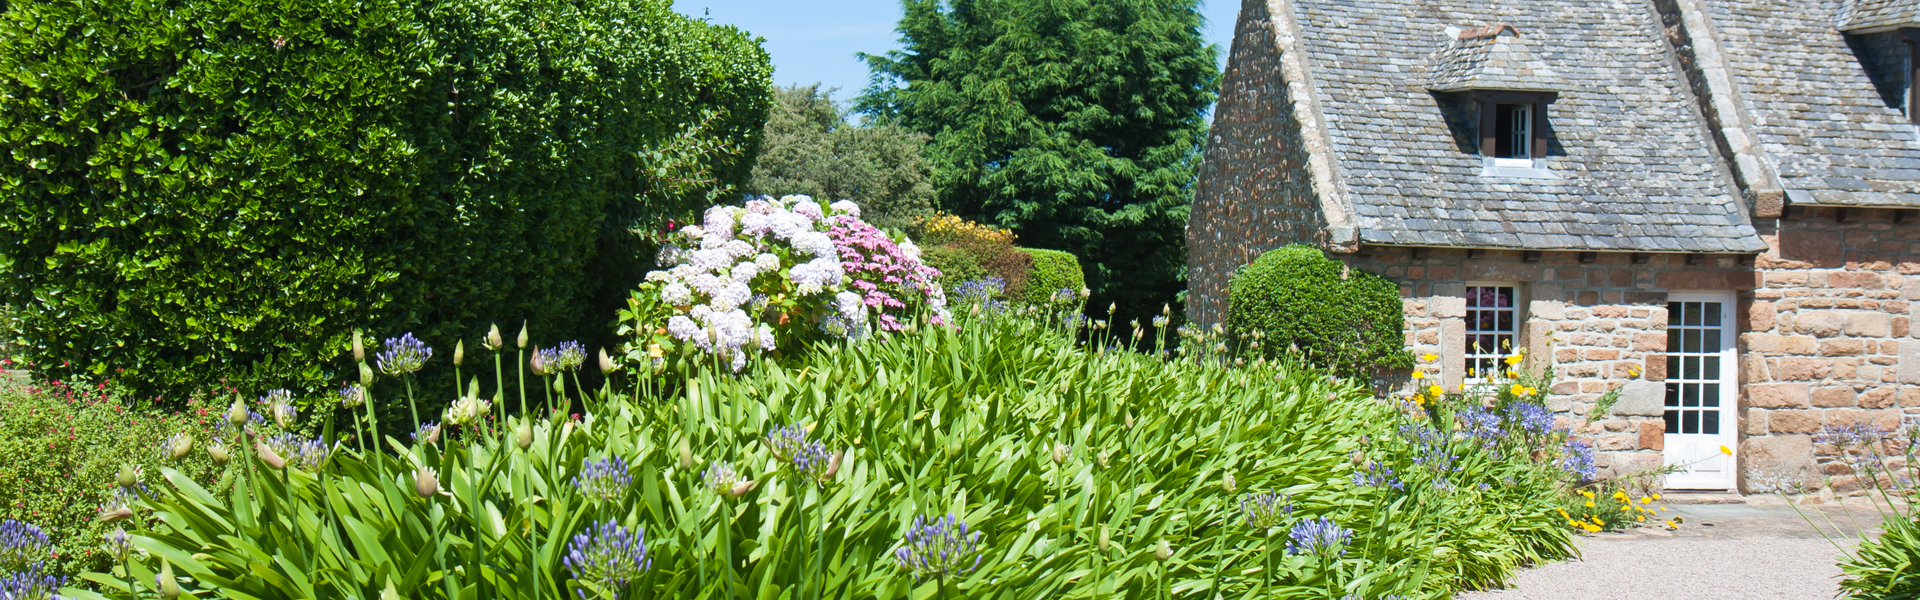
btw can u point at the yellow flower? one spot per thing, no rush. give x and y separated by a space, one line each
1587 493
1436 391
1589 504
1646 500
1429 357
1519 390
1657 497
1727 451
1419 375
1511 374
1515 359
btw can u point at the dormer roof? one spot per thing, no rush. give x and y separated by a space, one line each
1493 57
1874 16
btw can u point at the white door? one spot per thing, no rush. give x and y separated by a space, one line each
1700 391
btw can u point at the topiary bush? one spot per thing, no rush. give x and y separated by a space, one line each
1296 298
1053 271
207 189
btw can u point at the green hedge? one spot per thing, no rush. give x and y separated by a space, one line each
1346 321
198 190
1053 271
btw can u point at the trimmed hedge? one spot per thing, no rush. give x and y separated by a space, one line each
1347 321
201 190
1053 271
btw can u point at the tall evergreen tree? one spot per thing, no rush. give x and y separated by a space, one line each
809 147
1075 123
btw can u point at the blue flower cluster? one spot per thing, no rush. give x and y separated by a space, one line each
941 548
1529 419
403 355
32 583
607 556
1265 511
1481 424
1377 474
1579 460
24 549
604 480
984 291
1319 537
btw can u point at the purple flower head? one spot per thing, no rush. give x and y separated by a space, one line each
942 548
1480 424
30 583
352 395
1579 460
786 442
1377 474
311 455
427 433
813 462
22 544
1529 419
604 480
607 557
1319 537
1265 511
403 355
720 477
280 406
567 356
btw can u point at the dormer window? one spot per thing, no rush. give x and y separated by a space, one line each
1493 67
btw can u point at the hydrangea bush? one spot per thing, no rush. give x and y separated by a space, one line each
777 272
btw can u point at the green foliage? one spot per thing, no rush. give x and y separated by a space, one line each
1075 123
1074 465
810 149
973 251
956 265
9 335
1296 297
1053 271
219 189
61 448
1886 463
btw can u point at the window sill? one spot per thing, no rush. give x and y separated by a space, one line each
1537 171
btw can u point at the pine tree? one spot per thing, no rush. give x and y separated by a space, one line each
1075 123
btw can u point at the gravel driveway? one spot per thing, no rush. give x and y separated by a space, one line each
1723 551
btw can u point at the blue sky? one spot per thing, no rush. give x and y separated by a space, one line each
815 41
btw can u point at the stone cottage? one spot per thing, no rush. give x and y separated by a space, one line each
1712 204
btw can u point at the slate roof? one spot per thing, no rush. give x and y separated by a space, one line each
1494 57
1816 114
1865 16
1637 171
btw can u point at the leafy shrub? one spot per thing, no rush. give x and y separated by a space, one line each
61 449
811 148
1297 298
1053 271
218 189
834 475
973 251
780 272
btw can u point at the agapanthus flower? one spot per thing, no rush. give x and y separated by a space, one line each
176 446
352 395
31 583
1377 474
427 433
604 480
1579 460
608 557
943 548
568 356
311 455
118 544
22 544
1265 511
1530 419
119 505
1480 424
1319 537
403 355
720 477
814 462
785 442
286 445
467 410
280 406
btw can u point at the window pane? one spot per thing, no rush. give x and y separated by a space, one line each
1673 339
1473 299
1710 394
1690 368
1673 421
1690 421
1673 314
1713 314
1673 365
1689 394
1506 297
1710 422
1712 341
1690 340
1506 320
1503 146
1710 367
1673 394
1693 313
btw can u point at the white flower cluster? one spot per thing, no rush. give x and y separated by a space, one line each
714 271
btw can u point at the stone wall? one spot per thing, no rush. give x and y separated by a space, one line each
1828 341
1607 321
1254 193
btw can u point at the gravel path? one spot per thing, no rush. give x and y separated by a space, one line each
1727 551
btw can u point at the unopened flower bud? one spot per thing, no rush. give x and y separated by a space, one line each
118 514
493 341
539 365
179 445
606 363
1129 420
129 476
268 456
426 482
366 375
359 352
460 353
1101 459
1084 292
741 489
1060 453
1104 537
169 585
833 466
523 435
1227 484
218 452
686 455
560 385
521 341
473 388
1163 551
237 413
1111 307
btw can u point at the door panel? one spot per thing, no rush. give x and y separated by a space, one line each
1700 391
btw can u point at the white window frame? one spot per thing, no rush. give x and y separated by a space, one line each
1477 359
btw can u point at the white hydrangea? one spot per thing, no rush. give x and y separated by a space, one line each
909 249
817 243
846 207
767 262
805 206
676 294
719 222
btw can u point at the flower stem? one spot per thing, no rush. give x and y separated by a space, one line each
520 359
408 379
